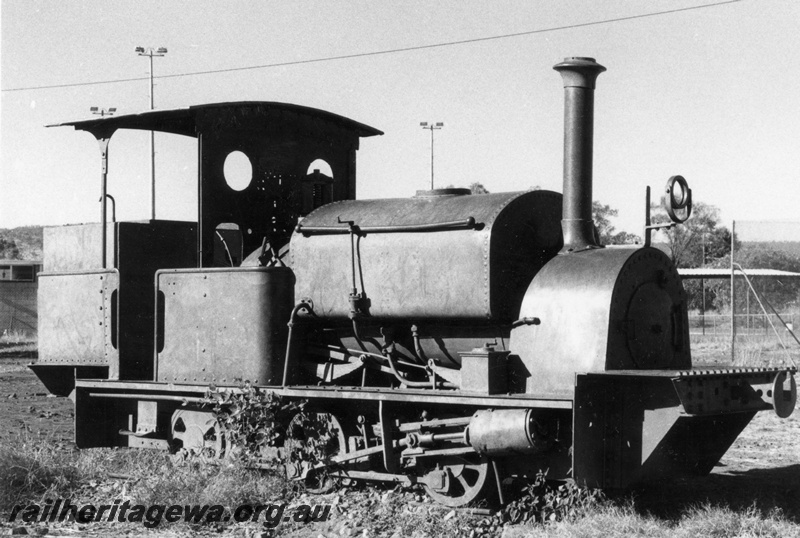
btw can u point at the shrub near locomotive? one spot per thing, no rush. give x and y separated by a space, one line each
450 340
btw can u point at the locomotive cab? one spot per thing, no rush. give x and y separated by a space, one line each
130 300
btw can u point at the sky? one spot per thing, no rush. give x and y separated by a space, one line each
708 93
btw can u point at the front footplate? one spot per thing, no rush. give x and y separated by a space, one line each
633 426
704 392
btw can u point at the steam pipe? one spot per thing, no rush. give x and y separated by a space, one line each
302 305
579 75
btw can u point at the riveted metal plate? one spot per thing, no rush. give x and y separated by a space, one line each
77 318
631 429
223 325
460 274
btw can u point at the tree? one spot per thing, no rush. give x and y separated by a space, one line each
698 241
475 188
602 214
624 238
21 243
8 249
478 188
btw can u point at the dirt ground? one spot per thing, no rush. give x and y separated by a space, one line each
26 405
761 469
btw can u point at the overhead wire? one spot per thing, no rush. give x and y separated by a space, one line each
383 52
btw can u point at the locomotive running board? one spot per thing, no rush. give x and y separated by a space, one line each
154 391
104 404
639 426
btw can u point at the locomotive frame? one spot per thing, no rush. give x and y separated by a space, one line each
452 340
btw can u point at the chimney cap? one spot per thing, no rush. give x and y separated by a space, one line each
579 71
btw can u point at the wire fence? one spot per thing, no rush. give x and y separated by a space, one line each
746 324
751 319
18 307
763 304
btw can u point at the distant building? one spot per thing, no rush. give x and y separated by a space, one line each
18 286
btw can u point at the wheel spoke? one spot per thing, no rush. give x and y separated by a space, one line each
468 482
198 433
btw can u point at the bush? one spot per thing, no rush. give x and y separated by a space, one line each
543 501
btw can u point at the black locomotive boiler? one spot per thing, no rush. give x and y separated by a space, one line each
452 340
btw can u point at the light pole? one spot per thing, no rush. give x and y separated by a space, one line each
150 52
432 127
703 281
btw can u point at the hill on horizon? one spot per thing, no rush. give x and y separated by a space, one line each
21 243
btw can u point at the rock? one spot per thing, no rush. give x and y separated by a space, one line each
19 531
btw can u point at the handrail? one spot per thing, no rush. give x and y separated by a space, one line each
468 223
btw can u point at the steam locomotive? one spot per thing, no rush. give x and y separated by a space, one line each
451 340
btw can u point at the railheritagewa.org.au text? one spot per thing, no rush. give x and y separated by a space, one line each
151 516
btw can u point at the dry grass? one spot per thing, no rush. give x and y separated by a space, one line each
17 337
32 468
18 344
750 351
615 520
228 484
35 468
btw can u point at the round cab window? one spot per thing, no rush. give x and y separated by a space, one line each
238 171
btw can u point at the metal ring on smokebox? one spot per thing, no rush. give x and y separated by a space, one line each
672 204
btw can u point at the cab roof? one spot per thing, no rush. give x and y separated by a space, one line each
184 121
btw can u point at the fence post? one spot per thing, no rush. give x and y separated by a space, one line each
733 295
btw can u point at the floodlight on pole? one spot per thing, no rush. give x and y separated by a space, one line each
431 127
151 52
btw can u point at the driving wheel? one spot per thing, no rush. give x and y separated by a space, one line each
312 439
464 481
197 433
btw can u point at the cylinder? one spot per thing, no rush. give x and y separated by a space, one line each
502 432
579 75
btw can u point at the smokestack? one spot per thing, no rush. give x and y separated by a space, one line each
579 76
